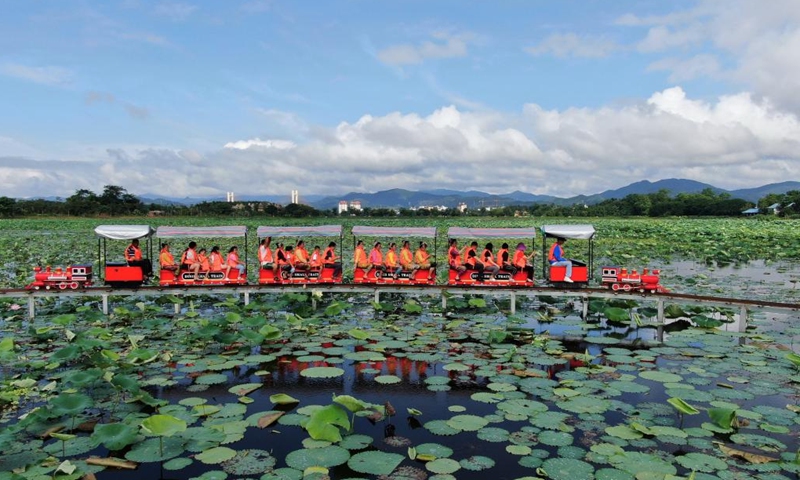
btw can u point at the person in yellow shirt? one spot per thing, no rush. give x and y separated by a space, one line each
423 260
166 259
391 261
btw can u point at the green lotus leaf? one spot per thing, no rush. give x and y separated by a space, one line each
443 466
70 404
658 376
177 463
701 462
156 450
163 425
324 423
624 432
351 403
467 423
387 379
616 314
434 449
245 388
724 417
249 462
356 442
317 457
358 334
211 379
682 406
521 450
375 462
477 463
282 399
216 455
322 372
114 436
283 474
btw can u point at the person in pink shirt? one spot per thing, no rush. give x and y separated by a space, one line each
232 261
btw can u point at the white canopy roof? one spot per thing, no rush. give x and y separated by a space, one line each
581 232
123 232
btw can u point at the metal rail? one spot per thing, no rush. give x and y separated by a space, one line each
582 294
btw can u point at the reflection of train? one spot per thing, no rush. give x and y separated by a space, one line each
72 277
617 278
421 272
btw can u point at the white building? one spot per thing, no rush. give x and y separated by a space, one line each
462 207
295 196
229 197
342 206
355 205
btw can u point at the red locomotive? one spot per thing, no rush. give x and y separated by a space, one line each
72 277
617 278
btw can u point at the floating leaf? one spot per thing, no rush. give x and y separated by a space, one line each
375 462
283 399
323 423
317 457
682 406
244 389
163 425
216 455
322 372
114 436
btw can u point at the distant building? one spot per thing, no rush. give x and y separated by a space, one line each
342 206
775 208
462 207
751 211
295 196
355 205
229 197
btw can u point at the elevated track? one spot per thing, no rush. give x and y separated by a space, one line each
248 291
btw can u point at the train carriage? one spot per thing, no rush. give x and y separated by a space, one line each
183 277
503 277
121 273
582 272
408 277
324 274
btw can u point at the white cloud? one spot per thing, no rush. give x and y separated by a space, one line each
443 45
572 45
735 141
54 76
681 70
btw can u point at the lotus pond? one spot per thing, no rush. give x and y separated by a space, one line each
403 389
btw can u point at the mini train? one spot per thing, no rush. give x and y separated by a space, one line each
123 274
71 277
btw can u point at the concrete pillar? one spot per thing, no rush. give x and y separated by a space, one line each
742 318
660 316
246 298
377 296
31 307
105 304
513 296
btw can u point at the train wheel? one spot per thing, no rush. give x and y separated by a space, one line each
62 286
615 287
626 287
73 285
47 287
36 287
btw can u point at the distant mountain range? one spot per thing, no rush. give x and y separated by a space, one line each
400 198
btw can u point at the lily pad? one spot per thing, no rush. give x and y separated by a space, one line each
375 462
322 372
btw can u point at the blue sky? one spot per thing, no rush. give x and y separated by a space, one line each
265 96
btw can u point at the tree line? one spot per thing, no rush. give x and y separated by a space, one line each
115 201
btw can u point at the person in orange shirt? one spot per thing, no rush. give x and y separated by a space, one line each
265 254
215 259
300 256
521 260
233 262
205 264
360 257
166 259
407 259
489 265
133 255
189 260
376 257
329 259
504 260
423 260
391 261
454 258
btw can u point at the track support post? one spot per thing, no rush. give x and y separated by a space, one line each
660 316
585 310
513 298
742 318
377 296
105 304
246 298
31 307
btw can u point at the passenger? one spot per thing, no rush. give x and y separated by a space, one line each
360 257
288 262
521 260
376 257
301 256
423 260
407 259
166 259
504 260
489 265
215 259
471 260
280 258
329 260
454 258
315 261
133 255
265 254
391 261
205 265
189 260
557 258
233 262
